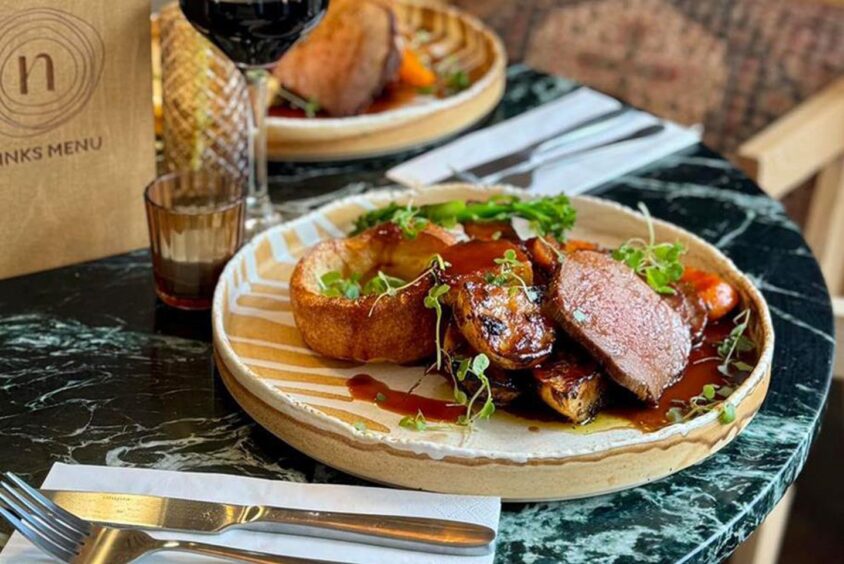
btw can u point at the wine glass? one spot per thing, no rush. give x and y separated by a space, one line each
254 34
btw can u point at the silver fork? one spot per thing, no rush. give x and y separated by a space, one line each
521 175
68 538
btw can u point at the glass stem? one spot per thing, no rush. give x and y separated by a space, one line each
258 196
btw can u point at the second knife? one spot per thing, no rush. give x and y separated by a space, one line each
572 132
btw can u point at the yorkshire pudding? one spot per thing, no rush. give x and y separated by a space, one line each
390 328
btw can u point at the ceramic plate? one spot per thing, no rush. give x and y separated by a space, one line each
454 36
416 121
303 398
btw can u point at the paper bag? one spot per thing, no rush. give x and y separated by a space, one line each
76 131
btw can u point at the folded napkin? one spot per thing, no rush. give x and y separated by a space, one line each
248 491
572 176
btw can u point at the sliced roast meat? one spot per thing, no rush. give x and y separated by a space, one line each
505 323
691 308
347 60
572 384
602 304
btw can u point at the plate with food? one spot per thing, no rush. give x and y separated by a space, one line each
381 76
481 340
376 77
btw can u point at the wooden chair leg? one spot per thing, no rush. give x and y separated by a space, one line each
763 546
825 224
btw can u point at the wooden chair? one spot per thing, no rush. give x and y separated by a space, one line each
806 145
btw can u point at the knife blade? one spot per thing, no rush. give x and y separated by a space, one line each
578 130
190 516
522 174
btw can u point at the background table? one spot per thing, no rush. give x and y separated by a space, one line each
93 370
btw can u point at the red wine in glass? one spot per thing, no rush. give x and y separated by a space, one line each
254 34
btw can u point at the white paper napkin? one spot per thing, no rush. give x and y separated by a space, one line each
570 176
248 491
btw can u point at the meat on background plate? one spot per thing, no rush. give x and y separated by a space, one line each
641 341
347 60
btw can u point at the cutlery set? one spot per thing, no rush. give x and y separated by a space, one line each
106 528
517 168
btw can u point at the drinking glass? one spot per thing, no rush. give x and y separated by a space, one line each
255 34
195 221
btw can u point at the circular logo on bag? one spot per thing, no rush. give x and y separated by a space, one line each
50 65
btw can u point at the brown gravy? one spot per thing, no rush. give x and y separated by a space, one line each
366 388
395 95
698 373
475 257
701 370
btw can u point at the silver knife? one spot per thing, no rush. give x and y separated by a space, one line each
589 126
188 516
521 175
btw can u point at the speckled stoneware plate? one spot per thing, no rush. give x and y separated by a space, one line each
454 37
303 398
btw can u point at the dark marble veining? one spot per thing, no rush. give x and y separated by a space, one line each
93 370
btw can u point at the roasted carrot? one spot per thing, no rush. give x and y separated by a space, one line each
718 295
573 245
414 72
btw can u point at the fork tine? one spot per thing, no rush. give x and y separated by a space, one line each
35 537
22 501
65 516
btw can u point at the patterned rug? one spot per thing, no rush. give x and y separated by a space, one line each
732 65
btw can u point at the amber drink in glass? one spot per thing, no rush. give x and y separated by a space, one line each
195 223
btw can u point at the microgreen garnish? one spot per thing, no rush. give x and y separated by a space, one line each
456 81
360 426
380 398
506 274
728 414
551 215
432 301
475 367
415 423
730 349
710 397
409 222
419 423
334 285
382 283
389 288
311 106
659 264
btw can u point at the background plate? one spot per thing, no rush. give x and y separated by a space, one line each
454 35
302 397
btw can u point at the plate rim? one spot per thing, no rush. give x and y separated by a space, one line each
439 451
402 115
